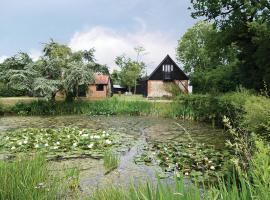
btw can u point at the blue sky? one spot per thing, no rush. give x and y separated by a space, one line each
113 27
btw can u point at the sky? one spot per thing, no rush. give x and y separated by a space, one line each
112 27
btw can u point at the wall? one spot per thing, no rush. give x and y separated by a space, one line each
156 88
92 93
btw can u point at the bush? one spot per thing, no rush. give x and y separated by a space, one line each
6 91
211 108
257 116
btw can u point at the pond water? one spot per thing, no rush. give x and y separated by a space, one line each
144 130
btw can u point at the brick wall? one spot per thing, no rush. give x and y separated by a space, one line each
156 88
92 93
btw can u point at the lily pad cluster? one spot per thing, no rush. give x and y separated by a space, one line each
68 140
191 159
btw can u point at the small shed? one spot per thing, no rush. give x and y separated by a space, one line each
101 88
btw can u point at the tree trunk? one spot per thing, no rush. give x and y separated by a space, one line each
77 91
135 84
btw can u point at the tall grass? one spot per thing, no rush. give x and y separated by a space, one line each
28 179
148 191
110 161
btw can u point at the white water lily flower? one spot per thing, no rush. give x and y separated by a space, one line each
186 174
46 145
57 143
108 141
25 141
74 144
20 143
103 135
68 136
103 132
212 167
80 132
84 135
90 146
13 147
36 146
7 138
56 147
91 137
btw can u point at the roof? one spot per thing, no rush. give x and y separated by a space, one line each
101 79
118 86
168 57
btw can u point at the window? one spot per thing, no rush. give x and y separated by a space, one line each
167 68
99 87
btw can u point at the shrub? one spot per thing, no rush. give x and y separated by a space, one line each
6 91
257 116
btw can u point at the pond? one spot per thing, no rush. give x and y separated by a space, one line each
144 131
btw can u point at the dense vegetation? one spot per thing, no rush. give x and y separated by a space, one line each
233 50
58 69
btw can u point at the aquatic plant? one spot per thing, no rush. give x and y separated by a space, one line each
110 161
62 141
191 159
29 178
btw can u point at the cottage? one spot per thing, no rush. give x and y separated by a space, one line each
167 72
101 88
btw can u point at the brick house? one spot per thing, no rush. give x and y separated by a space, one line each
101 88
167 72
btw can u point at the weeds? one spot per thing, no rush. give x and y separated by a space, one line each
28 179
110 161
148 191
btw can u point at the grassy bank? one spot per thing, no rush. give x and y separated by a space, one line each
29 178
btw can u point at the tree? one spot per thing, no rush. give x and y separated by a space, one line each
115 76
208 63
77 74
16 72
241 22
130 71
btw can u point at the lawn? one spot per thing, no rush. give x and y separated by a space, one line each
11 101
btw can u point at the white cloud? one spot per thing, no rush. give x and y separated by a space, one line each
34 54
2 58
110 43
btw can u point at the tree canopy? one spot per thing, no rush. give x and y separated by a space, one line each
211 66
58 69
245 23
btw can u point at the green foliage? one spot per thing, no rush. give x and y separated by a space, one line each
6 91
115 76
29 178
173 89
110 161
245 24
187 158
257 116
77 74
149 191
130 71
211 65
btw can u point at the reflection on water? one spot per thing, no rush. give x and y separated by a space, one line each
143 128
